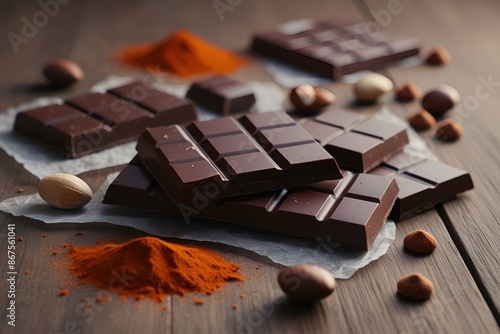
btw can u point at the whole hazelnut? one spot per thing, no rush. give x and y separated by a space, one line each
421 120
408 92
306 282
415 286
438 56
420 241
306 98
449 130
440 99
63 72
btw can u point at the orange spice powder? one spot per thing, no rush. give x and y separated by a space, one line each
181 53
149 267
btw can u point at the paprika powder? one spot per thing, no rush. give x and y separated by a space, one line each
182 53
149 267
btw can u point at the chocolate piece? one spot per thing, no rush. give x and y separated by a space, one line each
222 94
350 211
333 48
357 143
96 121
423 183
227 156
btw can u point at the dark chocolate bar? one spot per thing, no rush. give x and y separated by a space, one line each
333 48
357 143
222 94
227 156
96 121
350 211
423 183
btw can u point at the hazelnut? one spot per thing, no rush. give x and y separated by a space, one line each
421 120
438 56
63 72
306 282
415 286
449 130
371 87
408 92
64 191
307 98
420 241
439 100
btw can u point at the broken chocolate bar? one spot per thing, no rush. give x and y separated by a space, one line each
95 121
350 211
227 156
357 143
423 183
334 48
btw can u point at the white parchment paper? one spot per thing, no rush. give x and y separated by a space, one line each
281 249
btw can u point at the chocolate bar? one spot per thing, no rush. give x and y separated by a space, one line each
334 48
222 94
423 183
96 121
350 211
228 156
357 143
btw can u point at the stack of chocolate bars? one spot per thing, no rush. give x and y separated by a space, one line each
338 175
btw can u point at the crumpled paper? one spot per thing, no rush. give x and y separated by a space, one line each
282 249
42 161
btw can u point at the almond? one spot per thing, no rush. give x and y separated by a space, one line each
438 56
449 130
440 99
64 191
415 286
421 120
307 98
408 92
371 87
420 241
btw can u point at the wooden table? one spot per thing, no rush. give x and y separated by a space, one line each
465 269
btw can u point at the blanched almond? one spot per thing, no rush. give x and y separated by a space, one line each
371 87
64 191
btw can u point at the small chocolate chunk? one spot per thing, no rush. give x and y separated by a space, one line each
222 94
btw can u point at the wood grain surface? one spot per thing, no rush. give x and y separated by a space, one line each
465 268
